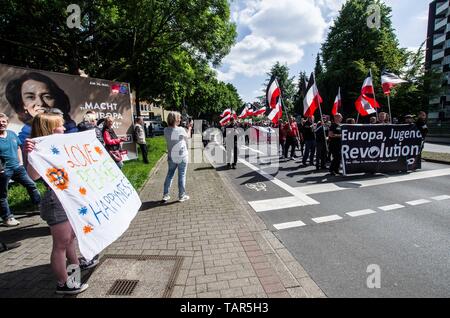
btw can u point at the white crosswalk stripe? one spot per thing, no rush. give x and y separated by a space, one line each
391 207
418 202
441 197
361 213
288 225
329 218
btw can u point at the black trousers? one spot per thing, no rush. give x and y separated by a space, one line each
336 162
290 142
321 155
232 155
144 151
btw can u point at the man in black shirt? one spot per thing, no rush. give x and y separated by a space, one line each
321 142
421 124
310 140
335 135
231 145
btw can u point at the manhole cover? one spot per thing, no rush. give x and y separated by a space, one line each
136 276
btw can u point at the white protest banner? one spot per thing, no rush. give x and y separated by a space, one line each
98 199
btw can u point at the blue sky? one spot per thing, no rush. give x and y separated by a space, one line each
291 32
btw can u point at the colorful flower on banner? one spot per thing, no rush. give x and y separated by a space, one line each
58 177
82 191
88 229
83 210
55 150
98 150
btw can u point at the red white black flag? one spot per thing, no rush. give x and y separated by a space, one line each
246 112
368 92
366 103
312 99
389 80
273 93
225 113
273 97
337 103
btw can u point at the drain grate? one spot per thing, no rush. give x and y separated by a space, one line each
123 287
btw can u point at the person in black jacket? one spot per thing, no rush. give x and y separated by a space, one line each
421 124
231 145
335 135
321 145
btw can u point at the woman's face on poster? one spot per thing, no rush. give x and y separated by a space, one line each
36 97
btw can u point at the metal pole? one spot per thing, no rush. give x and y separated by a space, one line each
389 104
321 116
373 90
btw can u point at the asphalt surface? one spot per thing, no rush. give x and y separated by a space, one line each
409 240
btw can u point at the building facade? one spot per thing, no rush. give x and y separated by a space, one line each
438 59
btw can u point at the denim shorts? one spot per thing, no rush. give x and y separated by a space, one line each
51 209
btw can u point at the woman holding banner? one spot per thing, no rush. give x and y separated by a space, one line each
64 245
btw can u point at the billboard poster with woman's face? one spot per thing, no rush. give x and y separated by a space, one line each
27 92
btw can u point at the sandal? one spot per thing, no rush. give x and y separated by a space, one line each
8 246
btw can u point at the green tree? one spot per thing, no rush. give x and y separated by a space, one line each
318 69
352 48
300 94
152 44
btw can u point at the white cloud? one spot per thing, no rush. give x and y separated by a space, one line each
277 30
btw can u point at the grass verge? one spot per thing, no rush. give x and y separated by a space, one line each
135 170
439 156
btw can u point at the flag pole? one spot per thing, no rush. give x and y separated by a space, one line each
321 116
373 88
389 105
287 115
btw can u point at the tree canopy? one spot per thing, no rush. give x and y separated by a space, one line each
163 48
352 48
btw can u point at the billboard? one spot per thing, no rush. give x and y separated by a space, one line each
25 92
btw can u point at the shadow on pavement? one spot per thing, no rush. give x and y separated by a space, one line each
20 233
36 281
153 204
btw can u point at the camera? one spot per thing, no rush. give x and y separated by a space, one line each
185 121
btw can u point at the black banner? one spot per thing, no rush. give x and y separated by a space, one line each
380 148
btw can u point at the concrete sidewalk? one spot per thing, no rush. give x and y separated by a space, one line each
224 249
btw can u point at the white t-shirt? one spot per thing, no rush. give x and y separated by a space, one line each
176 143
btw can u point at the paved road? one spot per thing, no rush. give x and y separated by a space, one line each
337 226
437 148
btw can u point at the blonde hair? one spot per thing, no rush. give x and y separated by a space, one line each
2 115
44 124
172 118
90 117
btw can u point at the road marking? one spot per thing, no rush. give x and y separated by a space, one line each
348 185
254 150
329 218
277 204
298 199
288 225
441 197
360 212
391 207
418 202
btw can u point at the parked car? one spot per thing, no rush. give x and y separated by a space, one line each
157 127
